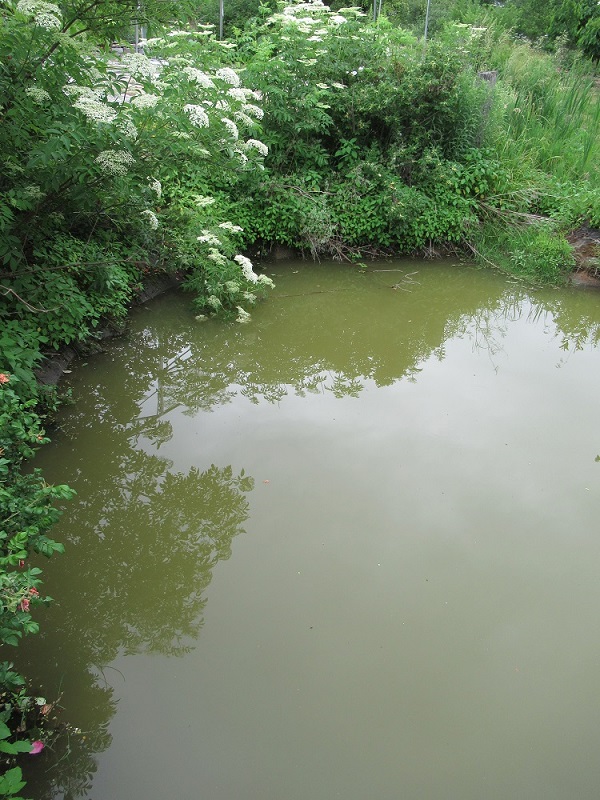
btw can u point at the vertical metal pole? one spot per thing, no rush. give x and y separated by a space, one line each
221 15
426 23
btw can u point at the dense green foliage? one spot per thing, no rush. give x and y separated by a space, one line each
315 129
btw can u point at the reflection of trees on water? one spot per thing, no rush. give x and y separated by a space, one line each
305 348
142 542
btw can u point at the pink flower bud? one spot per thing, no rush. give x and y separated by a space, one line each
36 747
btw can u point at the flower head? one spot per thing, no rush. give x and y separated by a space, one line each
36 747
246 266
228 75
231 127
45 15
145 100
4 378
114 162
94 109
151 217
199 77
155 186
197 115
39 96
260 146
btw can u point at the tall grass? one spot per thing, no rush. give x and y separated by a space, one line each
546 117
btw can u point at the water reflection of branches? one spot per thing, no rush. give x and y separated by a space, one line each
142 570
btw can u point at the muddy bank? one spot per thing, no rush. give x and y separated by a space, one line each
585 242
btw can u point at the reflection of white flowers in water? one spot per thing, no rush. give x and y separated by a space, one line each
156 186
229 226
199 77
243 316
213 302
94 110
145 100
114 162
231 127
228 75
39 96
197 115
260 146
45 15
246 266
151 218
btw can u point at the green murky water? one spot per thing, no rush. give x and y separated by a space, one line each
349 550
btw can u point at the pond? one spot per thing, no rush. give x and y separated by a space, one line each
347 550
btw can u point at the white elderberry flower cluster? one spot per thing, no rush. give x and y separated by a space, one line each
199 77
249 297
246 266
39 96
127 128
239 93
114 162
228 75
145 100
156 186
140 66
202 201
231 127
151 217
45 15
213 302
197 115
95 110
217 257
209 238
265 281
256 145
74 90
232 287
229 226
244 119
253 111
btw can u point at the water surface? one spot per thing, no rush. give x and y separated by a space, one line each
349 549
